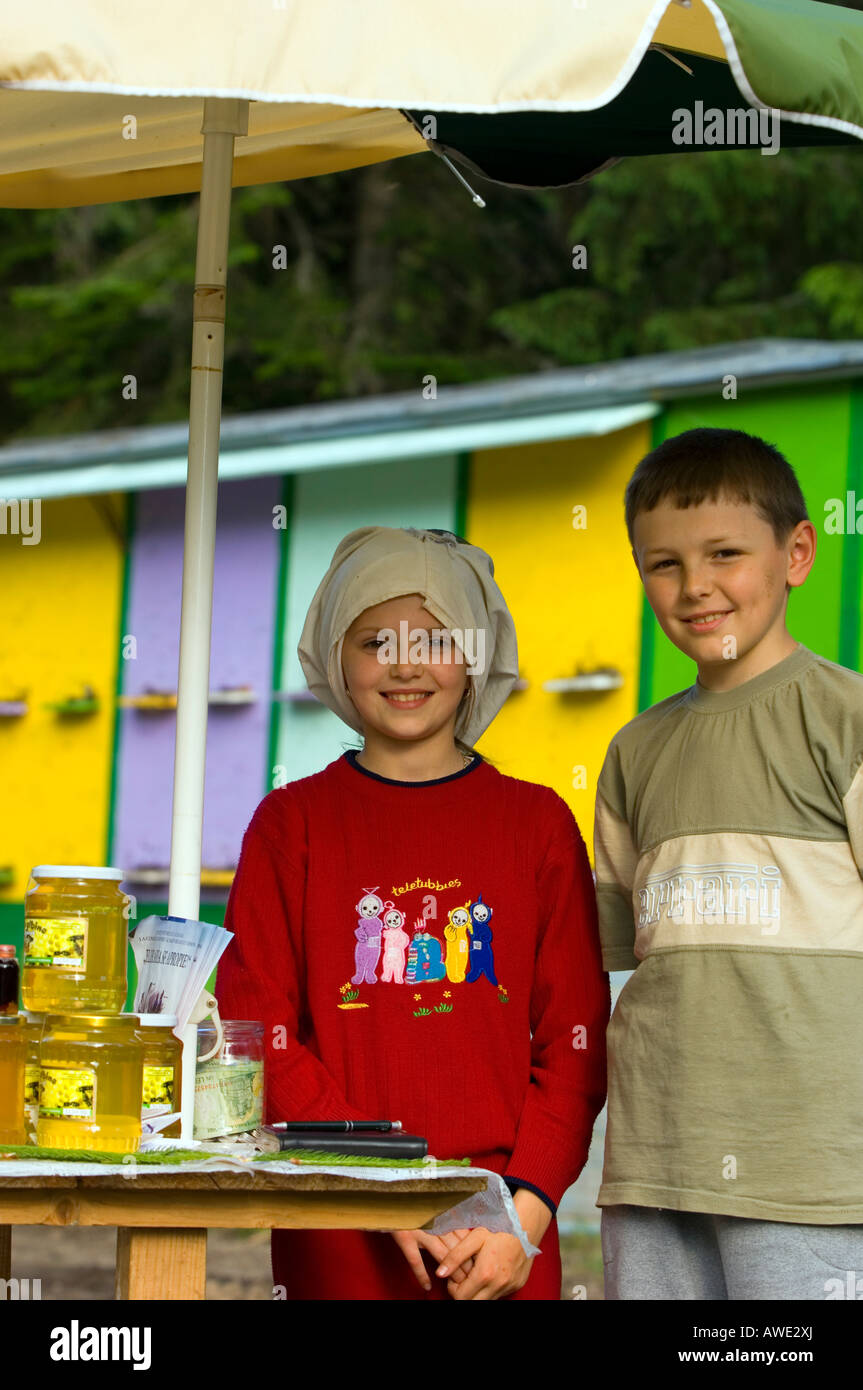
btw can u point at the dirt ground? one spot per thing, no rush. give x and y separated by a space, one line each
79 1265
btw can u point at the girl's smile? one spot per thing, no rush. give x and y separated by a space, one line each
404 699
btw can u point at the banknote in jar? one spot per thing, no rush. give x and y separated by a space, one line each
228 1098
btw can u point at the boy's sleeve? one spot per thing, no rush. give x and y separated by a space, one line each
262 972
569 1010
616 858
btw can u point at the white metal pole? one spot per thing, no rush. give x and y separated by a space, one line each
223 120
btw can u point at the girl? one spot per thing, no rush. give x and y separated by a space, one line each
422 927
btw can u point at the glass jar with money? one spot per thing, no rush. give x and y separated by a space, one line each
229 1087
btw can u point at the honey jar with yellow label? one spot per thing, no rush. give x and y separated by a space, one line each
163 1055
91 1073
76 928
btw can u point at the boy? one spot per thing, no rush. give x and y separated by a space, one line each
729 871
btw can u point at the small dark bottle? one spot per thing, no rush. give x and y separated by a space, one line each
8 981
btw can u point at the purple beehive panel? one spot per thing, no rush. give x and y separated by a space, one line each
244 595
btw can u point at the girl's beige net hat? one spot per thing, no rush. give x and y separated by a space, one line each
456 581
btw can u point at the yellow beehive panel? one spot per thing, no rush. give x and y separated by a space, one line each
575 596
59 632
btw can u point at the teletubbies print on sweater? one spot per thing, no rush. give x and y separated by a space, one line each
380 929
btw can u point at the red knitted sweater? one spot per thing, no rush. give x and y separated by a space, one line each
426 952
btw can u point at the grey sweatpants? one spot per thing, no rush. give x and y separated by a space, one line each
654 1253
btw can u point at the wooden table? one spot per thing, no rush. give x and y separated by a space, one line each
162 1219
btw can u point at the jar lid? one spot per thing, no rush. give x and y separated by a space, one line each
7 952
96 1020
157 1020
75 871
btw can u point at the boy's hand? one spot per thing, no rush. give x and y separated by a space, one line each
500 1266
412 1242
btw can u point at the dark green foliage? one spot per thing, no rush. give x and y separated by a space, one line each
392 274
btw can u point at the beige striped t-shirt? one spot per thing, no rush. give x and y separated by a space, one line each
729 871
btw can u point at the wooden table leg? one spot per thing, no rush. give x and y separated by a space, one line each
5 1252
155 1262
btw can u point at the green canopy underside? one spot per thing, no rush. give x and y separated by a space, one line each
549 149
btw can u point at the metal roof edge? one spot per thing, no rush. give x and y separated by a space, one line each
314 455
656 376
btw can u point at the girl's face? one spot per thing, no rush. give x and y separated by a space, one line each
405 700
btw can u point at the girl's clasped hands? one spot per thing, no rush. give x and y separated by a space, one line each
476 1263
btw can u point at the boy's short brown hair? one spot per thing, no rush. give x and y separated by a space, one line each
708 464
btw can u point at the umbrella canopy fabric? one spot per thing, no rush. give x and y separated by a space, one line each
101 102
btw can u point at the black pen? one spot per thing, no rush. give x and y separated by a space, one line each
335 1126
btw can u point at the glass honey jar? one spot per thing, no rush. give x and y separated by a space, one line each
33 1024
91 1073
76 932
163 1055
13 1058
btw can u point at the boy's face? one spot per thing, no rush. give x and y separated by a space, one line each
720 558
